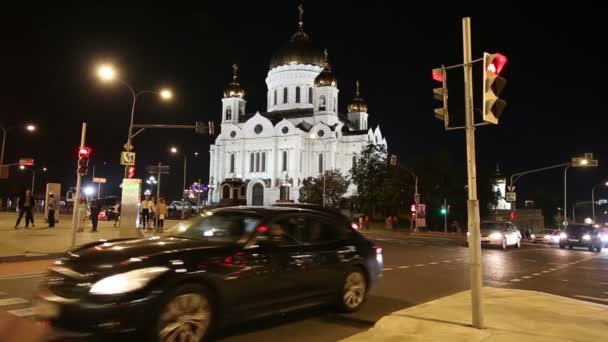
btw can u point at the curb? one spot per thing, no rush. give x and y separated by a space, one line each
22 257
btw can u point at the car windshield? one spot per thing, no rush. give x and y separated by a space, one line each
226 227
491 226
578 229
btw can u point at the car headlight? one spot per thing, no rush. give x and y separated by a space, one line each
533 236
604 237
586 237
496 236
547 236
563 236
126 282
468 233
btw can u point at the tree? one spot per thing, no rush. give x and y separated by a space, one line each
336 186
369 174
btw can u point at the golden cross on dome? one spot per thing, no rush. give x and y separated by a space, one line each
235 69
301 10
357 88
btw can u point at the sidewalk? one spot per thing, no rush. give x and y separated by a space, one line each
46 243
511 315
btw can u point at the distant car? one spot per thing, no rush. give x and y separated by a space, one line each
581 235
501 234
547 236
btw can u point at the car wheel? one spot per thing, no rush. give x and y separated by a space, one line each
591 248
186 314
599 248
504 244
518 244
354 291
562 246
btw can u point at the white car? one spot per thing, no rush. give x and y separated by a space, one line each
501 234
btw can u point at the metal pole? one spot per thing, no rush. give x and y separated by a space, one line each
158 192
324 187
130 136
185 164
593 203
573 212
198 197
33 180
3 145
445 216
78 181
565 223
473 203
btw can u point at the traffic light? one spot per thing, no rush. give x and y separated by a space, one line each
84 153
131 172
441 94
444 210
493 84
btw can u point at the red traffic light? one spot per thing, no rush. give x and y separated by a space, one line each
84 152
497 64
438 75
131 172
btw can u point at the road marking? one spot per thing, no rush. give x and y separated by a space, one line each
515 280
545 271
402 267
23 312
527 277
536 274
447 261
593 298
31 275
3 293
419 265
458 259
565 280
604 283
433 263
387 269
12 301
587 268
553 269
530 260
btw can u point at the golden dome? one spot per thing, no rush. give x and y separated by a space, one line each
326 78
234 89
357 104
299 50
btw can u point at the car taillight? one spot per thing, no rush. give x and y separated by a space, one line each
354 226
378 249
261 229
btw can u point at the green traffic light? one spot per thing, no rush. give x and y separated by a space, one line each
443 211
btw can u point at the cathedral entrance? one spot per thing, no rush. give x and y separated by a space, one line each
257 194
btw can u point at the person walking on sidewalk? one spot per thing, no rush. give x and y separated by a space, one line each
145 211
95 209
161 211
116 212
82 213
52 205
26 205
152 213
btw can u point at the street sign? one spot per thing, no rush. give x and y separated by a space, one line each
511 188
417 198
99 180
511 197
127 158
26 162
128 147
163 169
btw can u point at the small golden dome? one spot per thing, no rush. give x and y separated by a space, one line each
234 89
357 104
326 78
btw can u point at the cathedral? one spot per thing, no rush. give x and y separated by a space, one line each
262 158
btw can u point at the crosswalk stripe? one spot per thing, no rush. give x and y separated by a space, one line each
23 312
3 293
12 301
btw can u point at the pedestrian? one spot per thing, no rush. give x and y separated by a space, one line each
161 211
52 206
25 204
395 222
152 213
95 209
116 212
82 213
389 222
360 222
145 211
366 222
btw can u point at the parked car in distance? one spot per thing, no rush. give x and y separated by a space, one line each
501 234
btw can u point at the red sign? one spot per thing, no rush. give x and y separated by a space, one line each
26 162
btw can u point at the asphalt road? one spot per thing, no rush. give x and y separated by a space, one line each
417 270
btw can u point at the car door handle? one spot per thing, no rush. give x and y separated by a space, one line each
302 256
347 249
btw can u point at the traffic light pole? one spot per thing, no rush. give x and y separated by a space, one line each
473 203
78 183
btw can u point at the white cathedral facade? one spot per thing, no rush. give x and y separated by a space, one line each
262 158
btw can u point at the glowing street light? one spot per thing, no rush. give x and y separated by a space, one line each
166 94
173 149
89 190
30 127
44 169
106 72
22 167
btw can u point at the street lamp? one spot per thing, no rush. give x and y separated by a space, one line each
29 127
106 73
593 199
585 161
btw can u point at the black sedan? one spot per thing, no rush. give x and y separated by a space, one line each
226 266
580 235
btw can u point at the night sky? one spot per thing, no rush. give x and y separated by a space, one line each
554 92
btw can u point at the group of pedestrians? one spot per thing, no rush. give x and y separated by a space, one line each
153 214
